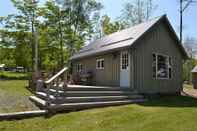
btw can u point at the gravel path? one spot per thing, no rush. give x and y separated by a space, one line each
12 103
190 92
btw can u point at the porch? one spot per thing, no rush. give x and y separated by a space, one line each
58 96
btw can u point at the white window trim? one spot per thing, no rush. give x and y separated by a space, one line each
100 60
79 70
168 57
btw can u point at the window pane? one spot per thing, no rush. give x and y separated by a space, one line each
170 73
102 64
125 60
98 64
154 66
162 67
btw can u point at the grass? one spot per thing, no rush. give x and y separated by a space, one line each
13 75
14 87
14 96
163 114
175 113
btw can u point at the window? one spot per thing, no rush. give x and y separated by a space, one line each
154 66
170 67
100 64
124 61
79 68
162 67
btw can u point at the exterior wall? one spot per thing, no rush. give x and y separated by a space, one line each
109 76
158 40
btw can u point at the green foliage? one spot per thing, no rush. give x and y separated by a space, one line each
111 27
187 68
7 57
62 26
13 75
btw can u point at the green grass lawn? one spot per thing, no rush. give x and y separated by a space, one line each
14 96
164 114
161 114
14 87
176 113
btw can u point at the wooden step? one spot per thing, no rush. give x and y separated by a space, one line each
90 93
54 99
43 95
38 101
77 106
83 105
22 115
95 99
93 88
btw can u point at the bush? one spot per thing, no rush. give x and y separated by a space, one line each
13 75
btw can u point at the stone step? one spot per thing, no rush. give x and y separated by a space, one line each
86 105
54 99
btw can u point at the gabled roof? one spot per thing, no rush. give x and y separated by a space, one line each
123 39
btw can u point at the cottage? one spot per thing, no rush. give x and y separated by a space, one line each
146 57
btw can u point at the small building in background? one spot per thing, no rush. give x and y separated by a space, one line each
20 69
2 67
194 77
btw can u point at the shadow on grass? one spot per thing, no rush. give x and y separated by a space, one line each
184 100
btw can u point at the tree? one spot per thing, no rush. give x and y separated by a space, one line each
15 43
187 68
57 30
109 27
79 21
54 22
184 4
25 20
137 11
190 45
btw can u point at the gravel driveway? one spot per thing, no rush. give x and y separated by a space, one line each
14 103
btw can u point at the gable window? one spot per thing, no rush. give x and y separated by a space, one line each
100 64
79 68
162 66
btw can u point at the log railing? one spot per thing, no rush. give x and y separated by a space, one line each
53 81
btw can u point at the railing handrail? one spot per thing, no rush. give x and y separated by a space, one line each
56 75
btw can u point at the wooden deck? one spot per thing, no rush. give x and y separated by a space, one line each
84 86
76 97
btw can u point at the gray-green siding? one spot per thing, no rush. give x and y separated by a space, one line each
109 76
158 40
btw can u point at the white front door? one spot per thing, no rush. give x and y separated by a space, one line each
124 69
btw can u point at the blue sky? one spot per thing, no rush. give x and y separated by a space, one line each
113 9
